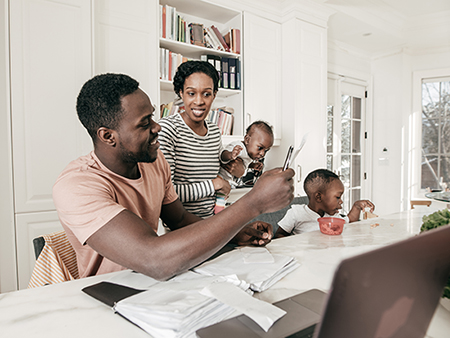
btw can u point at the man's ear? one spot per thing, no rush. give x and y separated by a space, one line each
106 136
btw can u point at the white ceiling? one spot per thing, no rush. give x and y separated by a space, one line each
377 27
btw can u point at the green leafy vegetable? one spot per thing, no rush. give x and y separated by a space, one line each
434 220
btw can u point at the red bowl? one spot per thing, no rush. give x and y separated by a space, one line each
331 225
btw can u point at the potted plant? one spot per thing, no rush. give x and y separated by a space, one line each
434 220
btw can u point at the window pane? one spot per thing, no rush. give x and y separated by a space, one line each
430 98
445 136
445 169
330 110
429 172
356 139
430 135
356 108
330 162
345 170
356 170
329 134
445 99
346 206
356 195
345 136
345 106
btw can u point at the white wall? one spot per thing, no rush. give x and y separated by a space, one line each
392 110
7 238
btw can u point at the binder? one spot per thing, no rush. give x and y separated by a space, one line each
110 293
232 73
225 76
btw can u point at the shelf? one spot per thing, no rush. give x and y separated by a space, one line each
203 9
187 49
223 92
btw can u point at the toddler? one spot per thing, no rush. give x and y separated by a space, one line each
324 190
257 142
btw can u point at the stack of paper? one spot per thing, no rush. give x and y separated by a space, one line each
253 265
179 307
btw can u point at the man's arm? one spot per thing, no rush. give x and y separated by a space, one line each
130 242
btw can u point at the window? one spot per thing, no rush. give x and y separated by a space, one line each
435 164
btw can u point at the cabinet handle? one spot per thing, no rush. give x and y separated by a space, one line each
299 173
249 120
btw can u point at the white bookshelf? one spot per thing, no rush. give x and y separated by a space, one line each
198 11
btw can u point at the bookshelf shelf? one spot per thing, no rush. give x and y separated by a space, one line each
192 50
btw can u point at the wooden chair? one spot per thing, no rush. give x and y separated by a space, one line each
420 202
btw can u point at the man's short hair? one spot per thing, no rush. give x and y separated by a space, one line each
99 101
318 180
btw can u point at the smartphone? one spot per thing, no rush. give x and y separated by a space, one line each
288 158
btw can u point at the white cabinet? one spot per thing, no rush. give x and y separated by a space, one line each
55 47
304 95
125 40
28 227
262 49
50 60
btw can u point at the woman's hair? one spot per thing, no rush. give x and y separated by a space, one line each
318 180
99 101
188 68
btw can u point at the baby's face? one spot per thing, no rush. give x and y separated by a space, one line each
258 143
331 199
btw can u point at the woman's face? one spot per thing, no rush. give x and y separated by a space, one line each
198 96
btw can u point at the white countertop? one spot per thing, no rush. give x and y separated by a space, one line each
62 309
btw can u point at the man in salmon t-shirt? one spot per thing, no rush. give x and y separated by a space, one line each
110 200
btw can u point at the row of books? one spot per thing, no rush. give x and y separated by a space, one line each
224 119
169 62
229 70
171 108
174 27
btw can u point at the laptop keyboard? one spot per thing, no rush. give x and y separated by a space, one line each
305 333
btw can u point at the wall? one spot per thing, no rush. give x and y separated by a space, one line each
392 109
7 238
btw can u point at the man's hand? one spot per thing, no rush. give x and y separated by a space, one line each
222 186
273 190
235 168
255 233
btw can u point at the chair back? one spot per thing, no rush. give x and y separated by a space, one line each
56 262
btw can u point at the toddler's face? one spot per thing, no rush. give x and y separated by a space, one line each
331 199
258 143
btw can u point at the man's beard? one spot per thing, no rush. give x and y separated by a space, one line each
143 156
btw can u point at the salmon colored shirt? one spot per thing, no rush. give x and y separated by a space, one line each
88 195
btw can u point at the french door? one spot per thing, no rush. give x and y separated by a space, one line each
346 136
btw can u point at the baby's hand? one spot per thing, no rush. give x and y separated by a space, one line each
363 204
257 166
236 151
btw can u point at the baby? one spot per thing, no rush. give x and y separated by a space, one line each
257 142
324 190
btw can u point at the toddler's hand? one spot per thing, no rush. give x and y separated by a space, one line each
363 204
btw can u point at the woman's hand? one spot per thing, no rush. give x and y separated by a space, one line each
222 186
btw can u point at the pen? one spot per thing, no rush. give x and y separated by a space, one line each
288 158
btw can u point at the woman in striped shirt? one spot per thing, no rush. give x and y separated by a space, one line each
192 145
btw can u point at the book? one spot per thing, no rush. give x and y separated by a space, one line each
220 38
225 77
232 73
216 43
236 40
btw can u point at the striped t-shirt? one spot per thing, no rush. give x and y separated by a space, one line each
194 162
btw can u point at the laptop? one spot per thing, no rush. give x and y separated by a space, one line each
390 292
